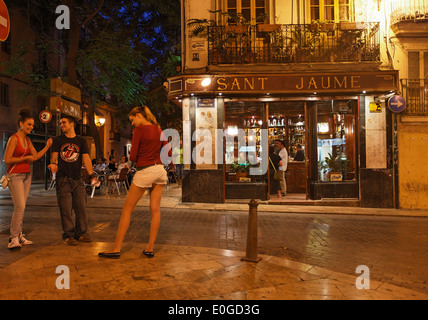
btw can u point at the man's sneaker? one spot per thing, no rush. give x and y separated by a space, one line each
14 243
85 238
22 239
70 241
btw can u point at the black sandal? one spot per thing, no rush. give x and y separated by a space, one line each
109 255
148 254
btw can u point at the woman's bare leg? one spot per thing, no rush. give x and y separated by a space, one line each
134 195
155 201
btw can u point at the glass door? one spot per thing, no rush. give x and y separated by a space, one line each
287 123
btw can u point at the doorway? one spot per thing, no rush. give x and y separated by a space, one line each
287 123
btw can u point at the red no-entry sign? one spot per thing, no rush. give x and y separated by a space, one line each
45 116
4 21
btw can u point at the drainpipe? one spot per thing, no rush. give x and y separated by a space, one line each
387 27
292 11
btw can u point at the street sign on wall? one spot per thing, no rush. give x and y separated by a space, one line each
64 89
4 21
396 103
67 98
58 104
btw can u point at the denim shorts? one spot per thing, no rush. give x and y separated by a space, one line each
149 176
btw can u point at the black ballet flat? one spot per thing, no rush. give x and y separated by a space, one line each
109 255
148 254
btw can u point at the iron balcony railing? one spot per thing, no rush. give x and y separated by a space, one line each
415 93
409 10
294 43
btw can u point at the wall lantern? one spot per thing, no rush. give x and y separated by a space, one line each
99 121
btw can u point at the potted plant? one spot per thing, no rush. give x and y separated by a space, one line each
237 171
335 168
321 26
350 45
263 25
327 26
208 29
348 25
267 27
304 42
331 168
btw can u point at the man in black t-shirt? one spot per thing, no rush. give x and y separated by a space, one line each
69 151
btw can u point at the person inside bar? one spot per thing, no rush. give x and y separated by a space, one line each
300 154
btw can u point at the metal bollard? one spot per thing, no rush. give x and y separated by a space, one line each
251 255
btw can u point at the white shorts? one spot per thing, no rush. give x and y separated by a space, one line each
149 176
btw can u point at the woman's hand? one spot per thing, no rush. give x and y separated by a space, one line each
49 142
31 158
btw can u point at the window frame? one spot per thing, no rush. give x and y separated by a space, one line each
253 10
321 9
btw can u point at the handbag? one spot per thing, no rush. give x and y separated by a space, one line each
278 173
5 179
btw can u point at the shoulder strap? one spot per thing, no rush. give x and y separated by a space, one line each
272 164
15 164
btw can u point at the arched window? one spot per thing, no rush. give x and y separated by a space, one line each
252 11
331 10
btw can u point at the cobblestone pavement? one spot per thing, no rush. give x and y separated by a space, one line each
394 248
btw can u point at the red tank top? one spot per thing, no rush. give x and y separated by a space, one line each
22 167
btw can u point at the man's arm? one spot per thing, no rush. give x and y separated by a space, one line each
88 167
54 162
88 163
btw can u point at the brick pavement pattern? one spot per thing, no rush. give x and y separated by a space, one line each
394 248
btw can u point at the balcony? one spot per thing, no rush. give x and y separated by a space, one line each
409 18
296 43
415 92
409 10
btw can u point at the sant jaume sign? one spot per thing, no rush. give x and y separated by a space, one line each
285 83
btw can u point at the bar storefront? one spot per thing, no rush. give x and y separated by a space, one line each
327 116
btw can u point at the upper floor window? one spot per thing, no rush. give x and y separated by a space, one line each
331 10
252 11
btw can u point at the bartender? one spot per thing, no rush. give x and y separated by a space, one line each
300 154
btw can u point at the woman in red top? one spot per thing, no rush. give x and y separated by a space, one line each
19 154
147 146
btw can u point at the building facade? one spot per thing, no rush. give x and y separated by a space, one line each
11 89
115 139
319 74
409 51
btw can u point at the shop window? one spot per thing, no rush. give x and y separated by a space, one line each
331 10
336 143
243 149
250 10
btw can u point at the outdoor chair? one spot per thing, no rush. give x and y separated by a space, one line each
121 180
